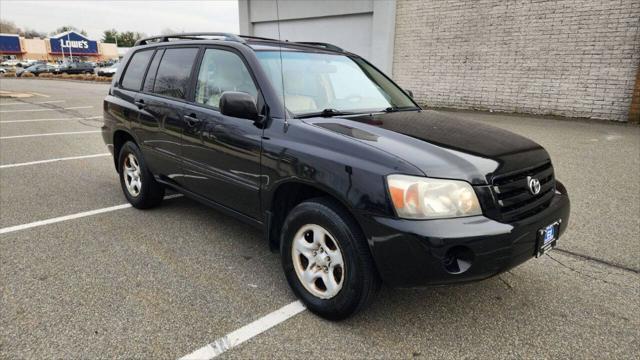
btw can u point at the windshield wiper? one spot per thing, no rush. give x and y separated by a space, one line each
395 108
324 113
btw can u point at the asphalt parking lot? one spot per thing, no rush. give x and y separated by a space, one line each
165 282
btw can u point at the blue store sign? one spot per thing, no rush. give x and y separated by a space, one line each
10 44
74 43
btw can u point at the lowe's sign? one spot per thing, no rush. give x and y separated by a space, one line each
74 43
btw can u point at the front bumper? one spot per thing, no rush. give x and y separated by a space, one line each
410 253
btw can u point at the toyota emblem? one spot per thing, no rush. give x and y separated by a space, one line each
534 185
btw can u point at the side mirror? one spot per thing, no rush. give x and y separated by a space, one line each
409 92
238 104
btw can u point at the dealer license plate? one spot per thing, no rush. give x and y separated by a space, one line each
547 238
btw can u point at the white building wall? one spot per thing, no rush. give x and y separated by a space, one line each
364 27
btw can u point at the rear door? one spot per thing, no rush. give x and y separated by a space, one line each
125 93
222 153
162 102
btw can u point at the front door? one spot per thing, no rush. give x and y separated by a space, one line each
222 153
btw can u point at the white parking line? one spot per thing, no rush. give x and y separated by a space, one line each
49 134
52 160
246 332
51 119
15 228
53 109
35 103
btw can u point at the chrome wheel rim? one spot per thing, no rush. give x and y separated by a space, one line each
131 174
318 261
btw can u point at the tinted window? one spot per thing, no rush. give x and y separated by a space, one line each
151 73
173 73
135 70
222 71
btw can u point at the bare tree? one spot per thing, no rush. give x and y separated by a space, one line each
68 28
167 31
8 27
30 34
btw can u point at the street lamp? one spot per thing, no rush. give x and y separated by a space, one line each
69 45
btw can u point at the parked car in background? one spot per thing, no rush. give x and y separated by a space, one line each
107 63
11 62
26 63
36 69
76 68
3 71
108 71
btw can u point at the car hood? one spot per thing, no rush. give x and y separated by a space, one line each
441 145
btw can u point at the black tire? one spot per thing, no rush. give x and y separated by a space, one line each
150 192
360 282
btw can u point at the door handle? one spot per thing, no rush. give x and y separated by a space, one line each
191 120
140 104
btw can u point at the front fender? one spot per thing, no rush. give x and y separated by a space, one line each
351 171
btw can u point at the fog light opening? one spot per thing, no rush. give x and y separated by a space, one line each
458 259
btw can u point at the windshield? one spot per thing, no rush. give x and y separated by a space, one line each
313 82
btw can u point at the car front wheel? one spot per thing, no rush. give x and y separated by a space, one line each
138 184
326 259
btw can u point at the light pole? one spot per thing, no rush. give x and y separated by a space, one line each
69 45
62 49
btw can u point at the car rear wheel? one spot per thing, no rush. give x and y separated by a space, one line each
326 259
138 184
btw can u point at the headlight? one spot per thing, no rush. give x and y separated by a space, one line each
416 197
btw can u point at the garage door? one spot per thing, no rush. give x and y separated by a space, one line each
350 32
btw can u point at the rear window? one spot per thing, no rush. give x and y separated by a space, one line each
134 74
172 78
151 73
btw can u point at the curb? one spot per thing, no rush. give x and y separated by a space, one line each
57 79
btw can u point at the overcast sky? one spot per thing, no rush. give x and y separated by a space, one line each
149 17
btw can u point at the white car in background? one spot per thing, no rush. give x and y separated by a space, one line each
108 71
11 62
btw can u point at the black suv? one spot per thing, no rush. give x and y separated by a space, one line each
350 180
76 68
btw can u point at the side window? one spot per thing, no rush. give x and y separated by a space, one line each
134 73
172 78
151 73
222 71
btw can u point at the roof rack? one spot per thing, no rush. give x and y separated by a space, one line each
189 36
308 43
251 37
320 44
228 37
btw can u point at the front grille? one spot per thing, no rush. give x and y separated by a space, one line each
515 200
